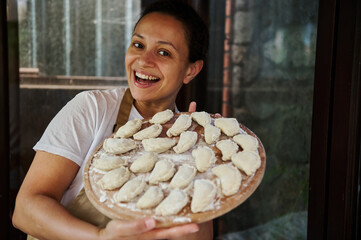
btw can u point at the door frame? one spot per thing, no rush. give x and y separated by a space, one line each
335 146
4 125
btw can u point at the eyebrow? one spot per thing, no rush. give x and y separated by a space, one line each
161 42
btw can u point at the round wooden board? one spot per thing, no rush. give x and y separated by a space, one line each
102 200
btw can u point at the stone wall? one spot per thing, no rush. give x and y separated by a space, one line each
271 69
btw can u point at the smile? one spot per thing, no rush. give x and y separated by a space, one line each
144 80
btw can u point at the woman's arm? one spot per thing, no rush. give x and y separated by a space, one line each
39 213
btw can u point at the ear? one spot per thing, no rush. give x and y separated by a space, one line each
193 70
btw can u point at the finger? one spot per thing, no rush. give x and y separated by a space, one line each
218 115
165 233
139 226
131 228
192 107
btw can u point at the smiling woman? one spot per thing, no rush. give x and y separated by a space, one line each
160 59
157 63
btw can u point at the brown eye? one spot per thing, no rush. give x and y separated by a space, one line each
138 45
164 53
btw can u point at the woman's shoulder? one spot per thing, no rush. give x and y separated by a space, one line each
94 102
103 94
104 97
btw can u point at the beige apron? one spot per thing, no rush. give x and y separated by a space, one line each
81 207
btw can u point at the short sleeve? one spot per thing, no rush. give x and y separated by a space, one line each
72 130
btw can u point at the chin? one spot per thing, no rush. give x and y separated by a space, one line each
141 95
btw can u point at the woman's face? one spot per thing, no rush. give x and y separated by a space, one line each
157 59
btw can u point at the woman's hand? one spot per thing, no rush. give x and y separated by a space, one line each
143 229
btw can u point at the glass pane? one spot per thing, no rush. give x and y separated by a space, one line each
85 37
272 59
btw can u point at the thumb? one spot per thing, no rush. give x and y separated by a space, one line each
192 107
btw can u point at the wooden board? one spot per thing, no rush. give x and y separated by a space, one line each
102 199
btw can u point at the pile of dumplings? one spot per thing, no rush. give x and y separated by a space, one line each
164 174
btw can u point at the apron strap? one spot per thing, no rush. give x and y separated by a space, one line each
124 110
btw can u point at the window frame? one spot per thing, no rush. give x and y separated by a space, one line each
334 198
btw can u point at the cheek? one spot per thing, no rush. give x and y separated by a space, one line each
128 63
129 56
127 59
177 79
173 74
177 70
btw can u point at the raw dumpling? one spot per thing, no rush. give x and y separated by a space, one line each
151 198
158 145
130 189
144 163
108 163
183 177
202 118
162 117
172 204
119 145
211 133
229 126
180 125
230 178
186 141
128 129
149 132
247 142
247 161
114 178
163 171
204 158
228 148
203 196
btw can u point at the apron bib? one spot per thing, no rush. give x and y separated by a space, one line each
80 207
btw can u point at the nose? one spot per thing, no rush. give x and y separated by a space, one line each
146 59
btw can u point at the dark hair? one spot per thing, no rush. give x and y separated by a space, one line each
196 31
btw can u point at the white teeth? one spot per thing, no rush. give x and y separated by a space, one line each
146 77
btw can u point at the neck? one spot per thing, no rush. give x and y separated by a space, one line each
147 110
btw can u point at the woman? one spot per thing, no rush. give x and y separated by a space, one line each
167 50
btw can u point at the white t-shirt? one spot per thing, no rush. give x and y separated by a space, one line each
79 127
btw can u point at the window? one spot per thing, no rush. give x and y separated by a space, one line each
270 91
